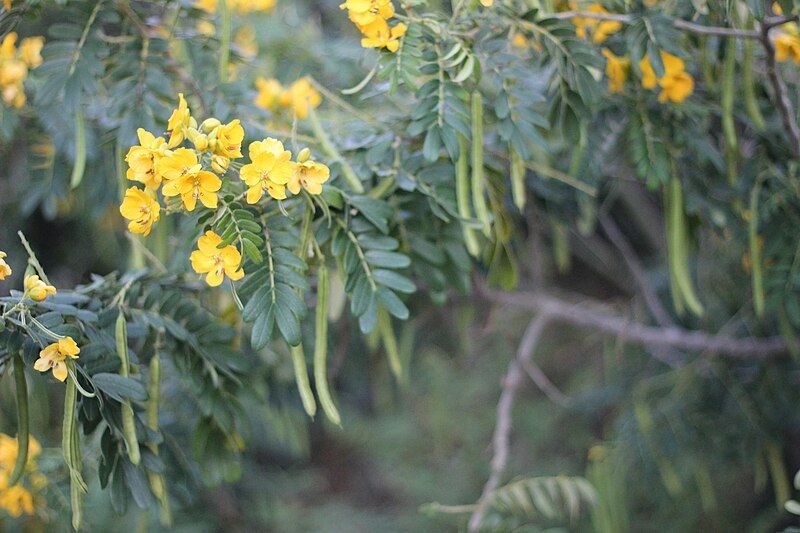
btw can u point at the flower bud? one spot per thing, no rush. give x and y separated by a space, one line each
303 156
192 123
209 124
220 164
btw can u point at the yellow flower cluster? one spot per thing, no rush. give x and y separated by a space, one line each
371 17
36 289
676 84
195 174
239 6
157 162
272 171
599 30
17 500
14 65
5 270
617 68
299 97
54 357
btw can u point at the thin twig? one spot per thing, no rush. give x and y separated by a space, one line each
779 87
512 382
621 243
596 315
541 380
678 23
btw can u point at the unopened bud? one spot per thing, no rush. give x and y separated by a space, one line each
303 156
209 124
220 164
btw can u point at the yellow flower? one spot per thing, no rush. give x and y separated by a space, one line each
5 270
246 6
270 170
600 29
185 177
36 289
9 448
617 70
7 4
206 28
311 175
209 6
54 357
676 84
787 43
16 500
245 39
487 3
178 122
383 37
216 262
301 96
7 50
269 93
30 51
141 208
363 12
143 159
229 139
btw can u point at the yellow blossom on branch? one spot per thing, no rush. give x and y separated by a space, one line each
270 170
300 96
143 159
269 93
787 43
617 68
310 175
676 84
179 121
598 29
36 289
216 262
363 12
5 270
141 208
384 37
14 66
185 177
228 139
54 357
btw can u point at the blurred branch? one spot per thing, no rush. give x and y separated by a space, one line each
596 315
779 87
629 255
512 382
699 29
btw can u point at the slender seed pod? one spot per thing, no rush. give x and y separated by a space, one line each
21 386
749 87
560 236
157 483
80 150
706 67
517 168
463 199
777 471
478 182
128 423
301 377
321 348
678 246
755 252
72 454
389 341
728 123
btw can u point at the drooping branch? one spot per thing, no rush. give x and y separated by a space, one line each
596 315
779 88
512 382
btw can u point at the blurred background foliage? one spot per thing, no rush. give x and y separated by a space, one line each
669 443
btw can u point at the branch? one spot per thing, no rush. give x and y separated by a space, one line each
512 382
618 240
678 23
781 97
594 314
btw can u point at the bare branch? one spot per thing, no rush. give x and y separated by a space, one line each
512 382
681 24
779 88
618 240
541 380
599 316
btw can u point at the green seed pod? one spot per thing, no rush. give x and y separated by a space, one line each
321 348
301 377
128 422
478 181
21 386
